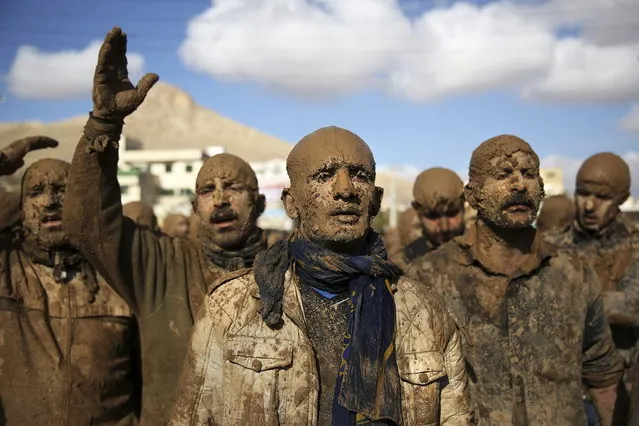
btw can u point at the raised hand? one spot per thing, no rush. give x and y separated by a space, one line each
13 155
114 96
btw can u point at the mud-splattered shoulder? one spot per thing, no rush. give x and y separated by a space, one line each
414 295
438 258
576 268
228 277
559 238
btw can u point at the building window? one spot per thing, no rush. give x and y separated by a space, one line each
168 167
189 168
186 191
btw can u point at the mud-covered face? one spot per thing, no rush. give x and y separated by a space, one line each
443 222
43 190
227 211
333 193
596 206
510 191
336 201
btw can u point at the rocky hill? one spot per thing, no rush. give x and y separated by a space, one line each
168 119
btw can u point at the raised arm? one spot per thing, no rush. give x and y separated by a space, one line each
92 213
12 156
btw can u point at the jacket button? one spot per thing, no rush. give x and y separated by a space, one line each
423 377
257 365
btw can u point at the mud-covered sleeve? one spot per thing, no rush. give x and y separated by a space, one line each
131 259
202 378
455 398
5 166
622 306
602 365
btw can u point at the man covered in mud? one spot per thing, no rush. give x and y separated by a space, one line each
557 213
142 214
176 225
69 351
324 329
438 199
163 279
610 244
531 316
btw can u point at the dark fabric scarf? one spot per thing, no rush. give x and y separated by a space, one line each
368 385
232 260
62 260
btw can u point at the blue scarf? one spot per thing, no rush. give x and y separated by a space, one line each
368 384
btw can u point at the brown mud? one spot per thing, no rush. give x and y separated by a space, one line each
557 212
605 174
332 175
437 187
176 225
141 213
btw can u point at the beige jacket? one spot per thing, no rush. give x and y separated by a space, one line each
238 371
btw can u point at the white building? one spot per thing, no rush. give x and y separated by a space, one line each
272 179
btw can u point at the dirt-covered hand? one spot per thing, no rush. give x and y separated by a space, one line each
14 153
114 96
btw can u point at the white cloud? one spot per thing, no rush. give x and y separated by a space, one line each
35 74
602 22
630 123
570 166
586 72
331 47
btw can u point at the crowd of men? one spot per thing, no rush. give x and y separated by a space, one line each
508 317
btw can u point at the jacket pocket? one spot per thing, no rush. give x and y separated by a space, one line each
259 353
251 376
422 374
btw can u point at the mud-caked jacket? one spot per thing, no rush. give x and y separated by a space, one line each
238 371
162 279
530 338
69 355
614 254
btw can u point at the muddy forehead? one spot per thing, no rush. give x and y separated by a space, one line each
227 167
328 146
437 186
47 171
606 173
497 152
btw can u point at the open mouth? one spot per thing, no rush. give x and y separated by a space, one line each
52 220
224 220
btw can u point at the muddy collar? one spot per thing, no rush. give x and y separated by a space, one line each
471 254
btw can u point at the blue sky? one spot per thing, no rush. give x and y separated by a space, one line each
400 130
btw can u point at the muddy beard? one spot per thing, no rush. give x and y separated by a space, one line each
232 260
496 217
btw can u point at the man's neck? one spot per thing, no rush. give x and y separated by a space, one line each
351 248
503 249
